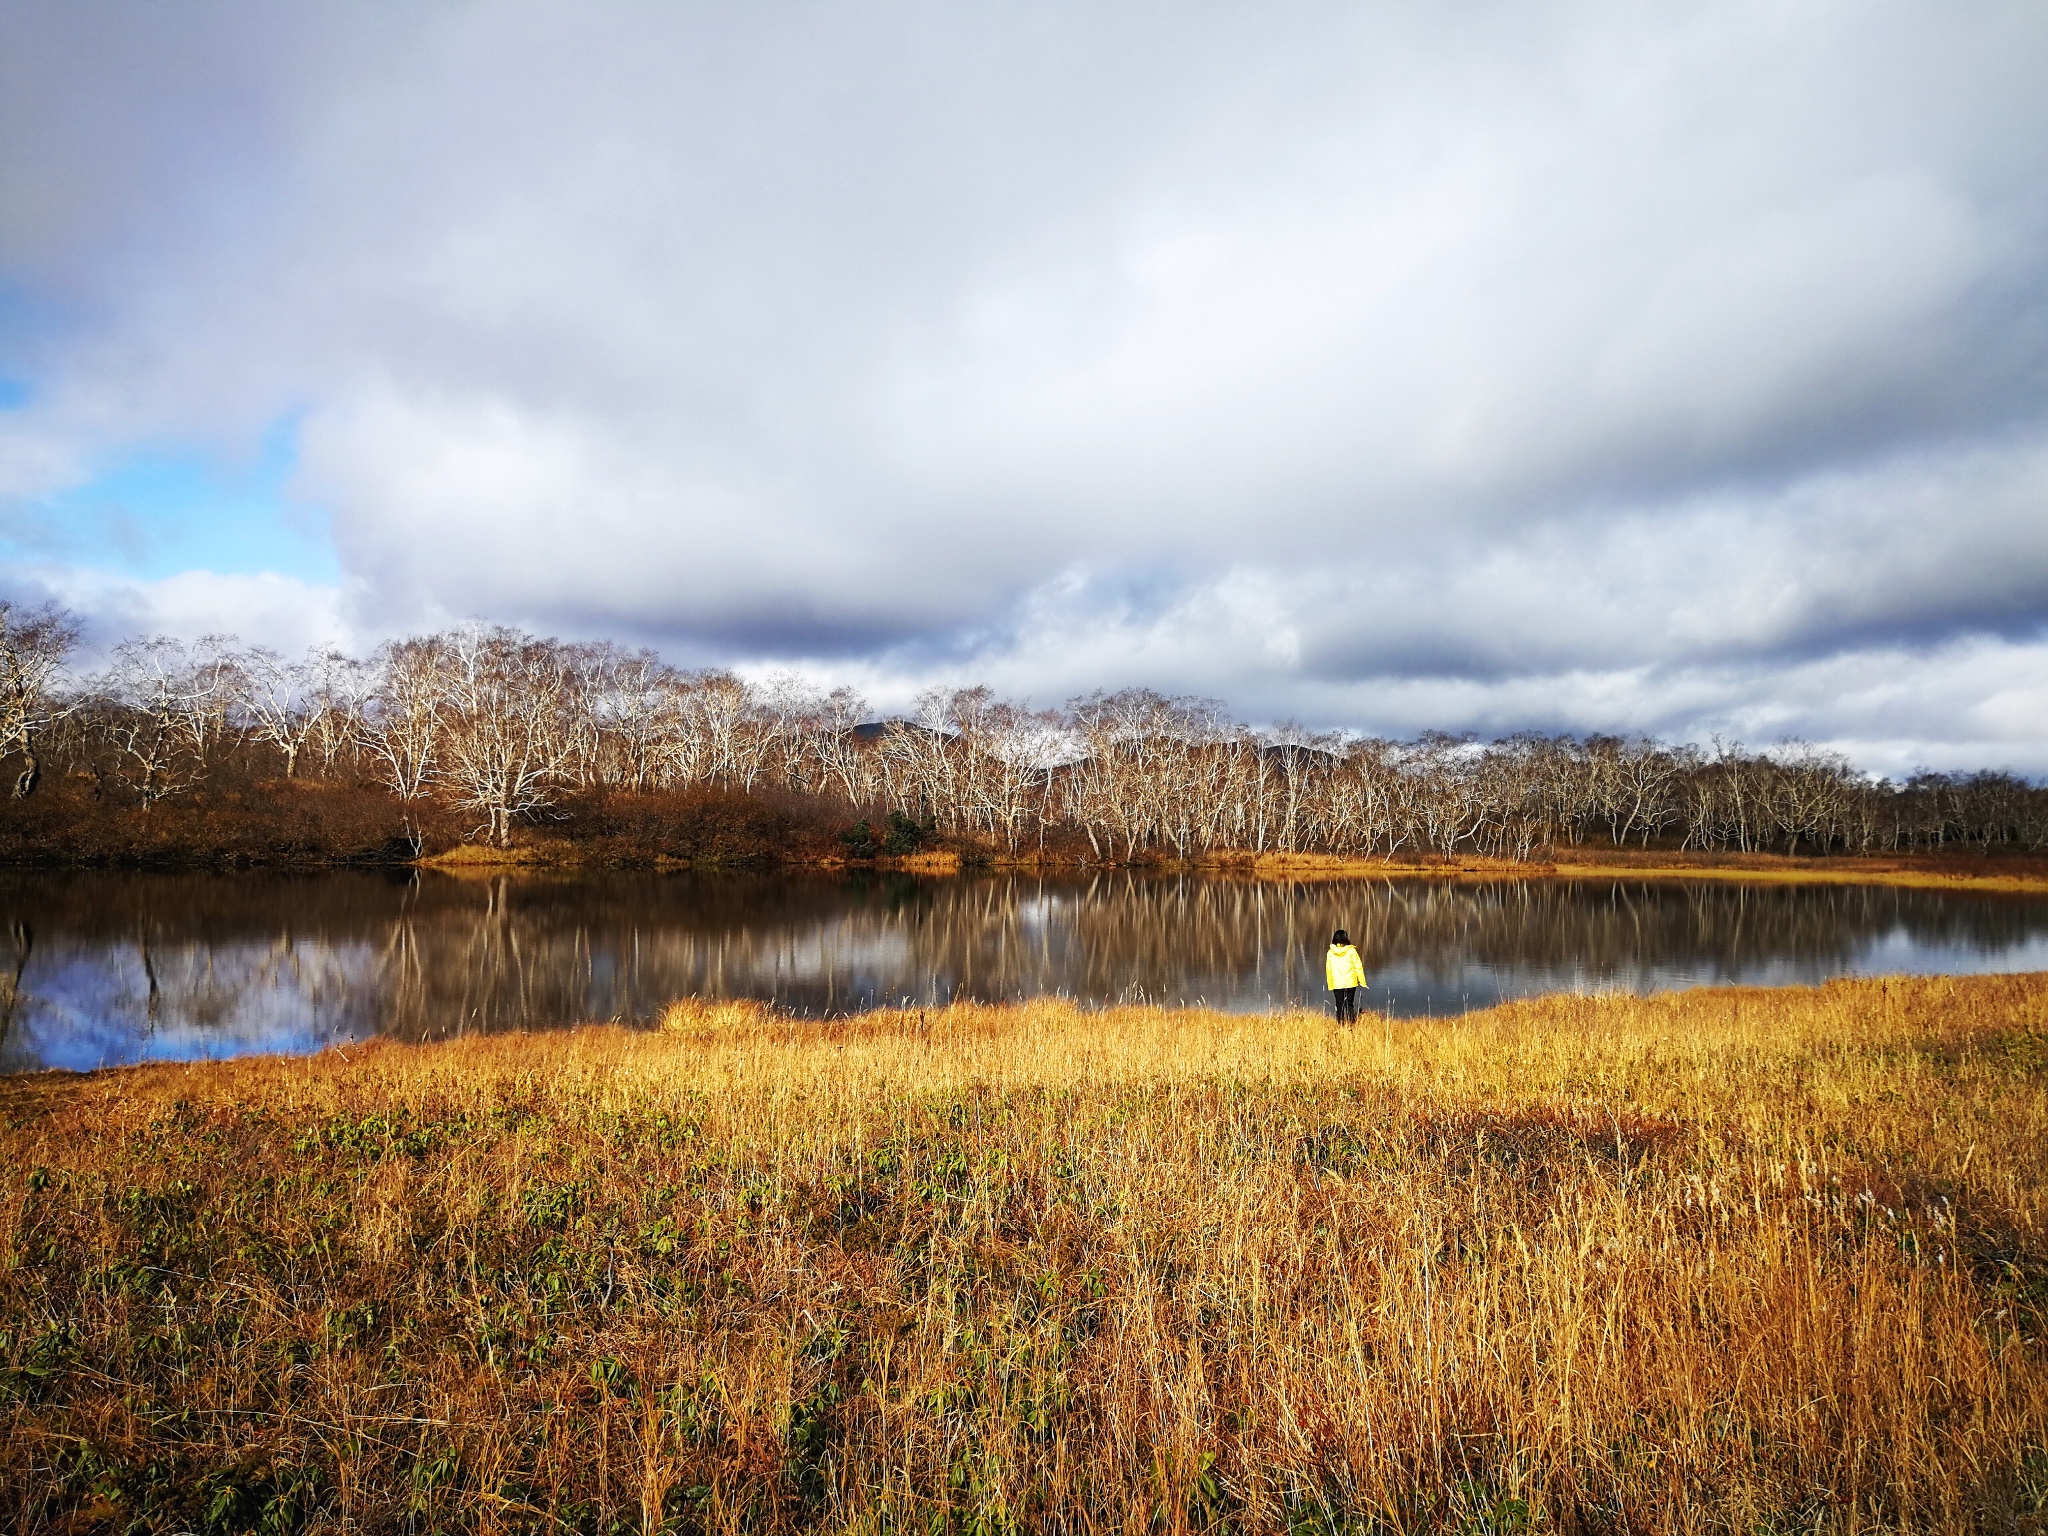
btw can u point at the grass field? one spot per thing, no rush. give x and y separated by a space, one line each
1716 1261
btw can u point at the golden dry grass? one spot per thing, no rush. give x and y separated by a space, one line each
1925 878
2005 877
1716 1261
491 860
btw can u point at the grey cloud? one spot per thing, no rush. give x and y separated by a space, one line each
1459 352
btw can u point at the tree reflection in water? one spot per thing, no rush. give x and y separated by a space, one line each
106 967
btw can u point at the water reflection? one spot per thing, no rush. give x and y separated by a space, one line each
106 968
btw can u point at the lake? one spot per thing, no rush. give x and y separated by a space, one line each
104 968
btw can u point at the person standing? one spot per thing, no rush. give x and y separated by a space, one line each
1345 973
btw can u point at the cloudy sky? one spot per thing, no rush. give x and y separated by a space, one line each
1655 368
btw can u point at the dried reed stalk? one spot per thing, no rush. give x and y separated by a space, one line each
1719 1260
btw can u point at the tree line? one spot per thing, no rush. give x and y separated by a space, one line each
503 726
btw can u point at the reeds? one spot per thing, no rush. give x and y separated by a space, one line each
1732 1260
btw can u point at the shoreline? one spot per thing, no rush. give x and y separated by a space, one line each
1754 869
1760 869
2018 875
306 827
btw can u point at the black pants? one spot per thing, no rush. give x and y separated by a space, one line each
1347 1004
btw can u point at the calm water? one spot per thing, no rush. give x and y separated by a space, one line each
98 969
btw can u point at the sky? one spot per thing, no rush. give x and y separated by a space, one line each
1668 369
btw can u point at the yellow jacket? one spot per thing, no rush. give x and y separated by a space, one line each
1343 967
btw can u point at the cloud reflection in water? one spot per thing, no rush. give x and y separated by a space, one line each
103 969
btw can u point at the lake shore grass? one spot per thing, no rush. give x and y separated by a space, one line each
1731 1260
2019 874
1817 872
2015 877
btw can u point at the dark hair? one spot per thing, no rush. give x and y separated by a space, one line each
1340 937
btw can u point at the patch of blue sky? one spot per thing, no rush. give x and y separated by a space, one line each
157 512
14 394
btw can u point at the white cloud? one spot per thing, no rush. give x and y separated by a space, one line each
1745 324
1510 366
279 611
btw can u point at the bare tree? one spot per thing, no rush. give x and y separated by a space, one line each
158 707
281 700
842 757
33 646
788 710
211 663
401 725
502 723
724 739
339 689
1642 775
507 743
631 696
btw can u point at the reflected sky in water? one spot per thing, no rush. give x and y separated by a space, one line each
107 968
